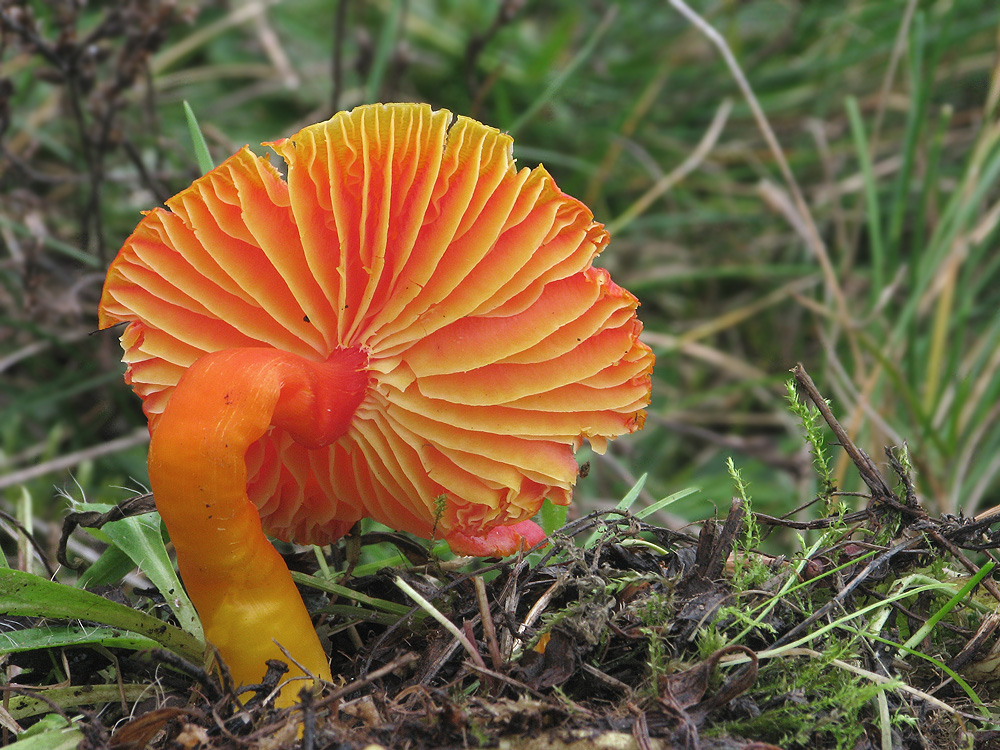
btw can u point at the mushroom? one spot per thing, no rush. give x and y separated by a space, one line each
406 328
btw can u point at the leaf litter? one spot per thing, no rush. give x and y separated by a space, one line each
881 632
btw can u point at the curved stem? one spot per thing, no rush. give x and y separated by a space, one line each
237 580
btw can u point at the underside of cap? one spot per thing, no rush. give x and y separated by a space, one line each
494 346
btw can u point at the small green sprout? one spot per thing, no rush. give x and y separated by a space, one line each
813 425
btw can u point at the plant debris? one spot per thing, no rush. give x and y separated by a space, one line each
618 633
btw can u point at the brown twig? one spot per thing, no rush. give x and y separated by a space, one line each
866 467
714 545
500 677
988 583
135 506
489 630
138 437
213 691
874 565
376 674
817 523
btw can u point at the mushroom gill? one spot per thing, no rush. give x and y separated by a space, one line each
406 317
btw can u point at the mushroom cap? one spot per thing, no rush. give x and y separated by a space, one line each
493 346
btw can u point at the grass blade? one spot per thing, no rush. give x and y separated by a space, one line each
140 537
30 596
333 588
72 636
23 706
201 153
873 211
557 83
668 500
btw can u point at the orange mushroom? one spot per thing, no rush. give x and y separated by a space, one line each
405 328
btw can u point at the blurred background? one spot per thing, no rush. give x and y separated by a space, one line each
837 208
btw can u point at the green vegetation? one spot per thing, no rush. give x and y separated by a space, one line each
833 201
873 267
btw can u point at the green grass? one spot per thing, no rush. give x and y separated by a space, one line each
884 118
883 280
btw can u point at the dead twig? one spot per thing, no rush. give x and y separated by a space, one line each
866 467
376 674
135 506
876 564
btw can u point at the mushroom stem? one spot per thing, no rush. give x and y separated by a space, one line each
237 580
